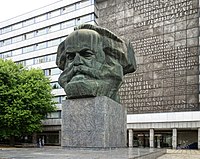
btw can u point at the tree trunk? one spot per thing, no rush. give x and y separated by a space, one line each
34 139
12 140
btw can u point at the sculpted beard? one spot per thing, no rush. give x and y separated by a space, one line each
70 73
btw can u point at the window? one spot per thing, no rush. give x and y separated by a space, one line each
85 3
22 62
7 29
29 35
28 49
17 39
40 60
67 9
41 18
50 58
40 46
47 72
68 24
17 52
54 115
40 32
29 62
58 99
17 26
77 5
1 43
54 28
55 71
55 42
28 22
6 54
7 42
54 13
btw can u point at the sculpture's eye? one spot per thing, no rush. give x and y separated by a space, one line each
86 53
71 56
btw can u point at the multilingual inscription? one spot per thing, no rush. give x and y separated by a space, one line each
164 34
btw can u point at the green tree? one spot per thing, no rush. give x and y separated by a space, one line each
25 99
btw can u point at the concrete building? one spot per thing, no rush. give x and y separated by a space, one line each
162 96
32 39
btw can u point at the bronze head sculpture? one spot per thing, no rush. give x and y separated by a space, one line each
93 61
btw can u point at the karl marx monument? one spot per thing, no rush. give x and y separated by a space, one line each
93 61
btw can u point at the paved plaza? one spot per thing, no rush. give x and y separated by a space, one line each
122 153
60 153
181 154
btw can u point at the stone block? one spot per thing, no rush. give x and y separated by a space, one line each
97 122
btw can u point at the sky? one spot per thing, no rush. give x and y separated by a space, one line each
12 8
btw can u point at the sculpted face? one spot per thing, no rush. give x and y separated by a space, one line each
83 56
91 66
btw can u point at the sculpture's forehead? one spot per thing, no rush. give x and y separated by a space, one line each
81 34
83 38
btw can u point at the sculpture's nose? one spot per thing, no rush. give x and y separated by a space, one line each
77 60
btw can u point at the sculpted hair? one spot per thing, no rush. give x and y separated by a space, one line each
112 45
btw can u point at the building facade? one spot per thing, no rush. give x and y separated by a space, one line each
32 39
162 96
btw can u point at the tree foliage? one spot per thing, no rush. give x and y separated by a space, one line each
25 99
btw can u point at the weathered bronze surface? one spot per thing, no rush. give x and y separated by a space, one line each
93 61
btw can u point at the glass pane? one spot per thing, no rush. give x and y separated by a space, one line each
54 13
68 24
40 32
17 39
40 46
86 18
54 28
47 72
7 54
7 29
54 42
28 49
41 18
55 71
29 62
7 42
29 35
17 26
17 52
28 22
68 9
85 3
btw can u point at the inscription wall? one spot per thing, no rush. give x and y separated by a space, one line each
165 38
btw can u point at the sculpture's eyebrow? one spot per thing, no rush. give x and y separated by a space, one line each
82 50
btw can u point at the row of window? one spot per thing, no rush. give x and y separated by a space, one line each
38 60
48 15
49 29
35 47
52 71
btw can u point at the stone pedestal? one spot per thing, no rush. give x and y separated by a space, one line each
97 122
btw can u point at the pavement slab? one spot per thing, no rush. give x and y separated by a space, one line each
75 153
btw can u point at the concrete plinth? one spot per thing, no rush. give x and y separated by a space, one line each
97 122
